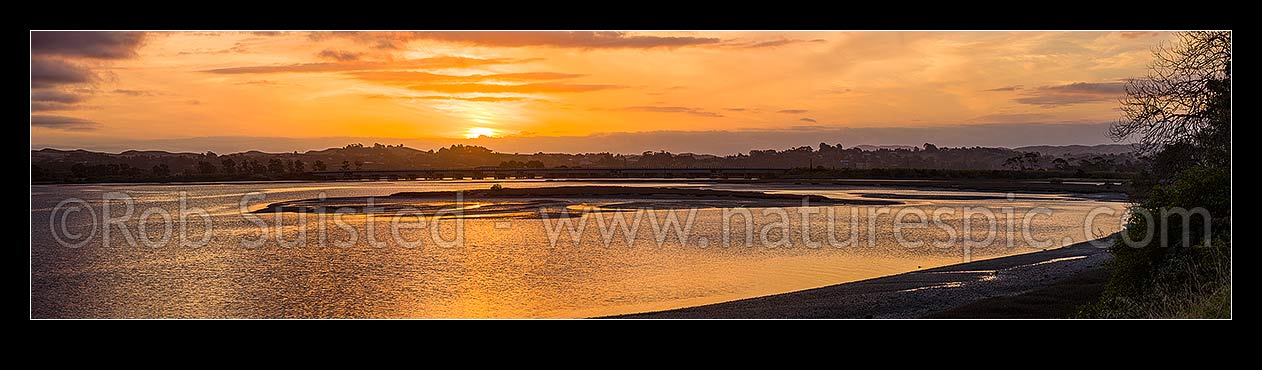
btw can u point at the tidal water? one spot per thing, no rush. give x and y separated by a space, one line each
103 260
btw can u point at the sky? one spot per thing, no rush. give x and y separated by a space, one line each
626 92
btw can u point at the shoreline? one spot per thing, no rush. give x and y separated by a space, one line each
1107 193
915 294
514 202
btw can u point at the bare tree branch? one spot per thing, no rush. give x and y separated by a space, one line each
1176 101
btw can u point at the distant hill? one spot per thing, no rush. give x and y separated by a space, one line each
52 165
1078 149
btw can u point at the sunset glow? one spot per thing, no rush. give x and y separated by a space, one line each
476 132
596 174
284 91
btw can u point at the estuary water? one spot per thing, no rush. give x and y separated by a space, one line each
121 250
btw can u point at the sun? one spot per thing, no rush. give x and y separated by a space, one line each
476 132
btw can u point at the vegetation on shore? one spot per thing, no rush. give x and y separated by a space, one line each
826 161
1179 263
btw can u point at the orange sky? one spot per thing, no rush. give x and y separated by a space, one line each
166 90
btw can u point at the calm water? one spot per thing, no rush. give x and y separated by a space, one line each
503 268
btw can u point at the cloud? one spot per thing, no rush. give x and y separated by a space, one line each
402 77
238 47
259 82
55 96
1103 88
1006 88
133 92
780 42
339 55
63 122
1074 93
811 120
86 44
665 109
1014 117
544 87
575 39
792 111
1051 101
736 109
433 62
54 72
489 99
1141 34
45 106
710 142
57 59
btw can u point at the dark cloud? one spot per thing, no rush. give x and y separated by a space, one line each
780 42
792 111
57 60
434 63
267 33
408 77
54 72
1100 88
339 55
86 44
545 87
736 109
811 120
63 122
667 109
578 39
55 96
45 106
1074 93
1058 100
1006 88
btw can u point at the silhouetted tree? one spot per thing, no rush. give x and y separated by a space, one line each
161 170
1186 96
275 166
534 164
79 170
1060 163
38 173
359 165
205 167
1031 159
228 165
299 166
346 165
1016 163
318 165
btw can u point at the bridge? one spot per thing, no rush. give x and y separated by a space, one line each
481 173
